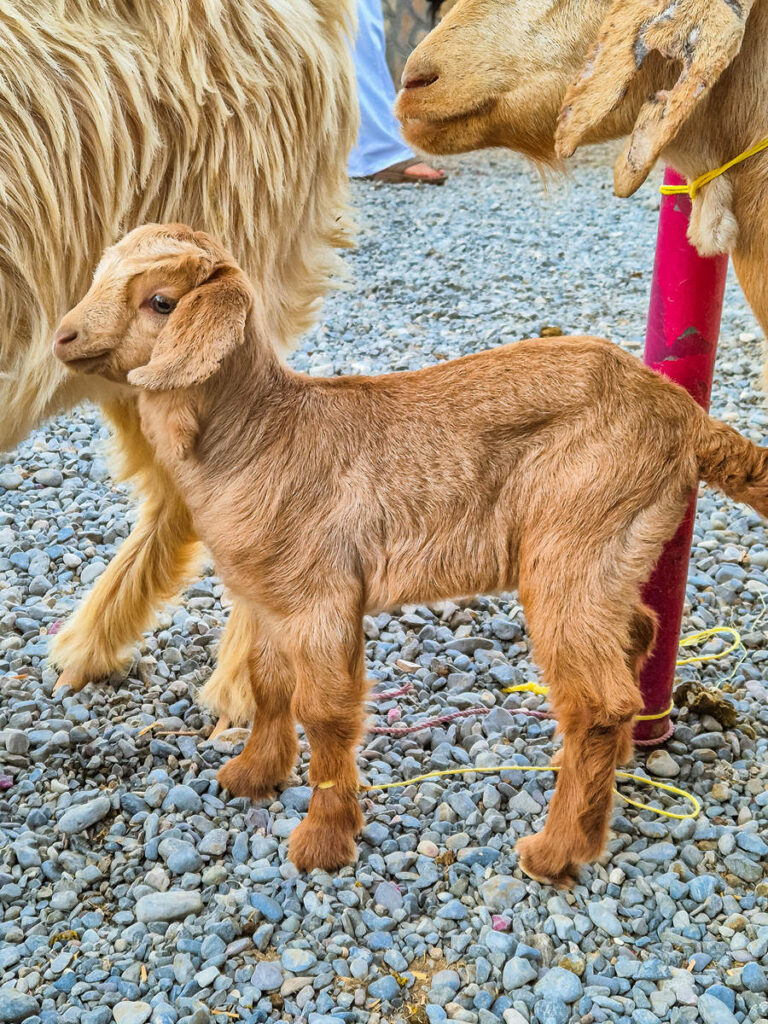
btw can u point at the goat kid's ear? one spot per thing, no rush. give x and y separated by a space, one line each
207 324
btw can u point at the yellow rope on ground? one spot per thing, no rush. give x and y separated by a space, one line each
693 187
539 688
551 768
705 634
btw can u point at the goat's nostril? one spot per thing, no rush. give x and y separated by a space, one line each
419 81
64 336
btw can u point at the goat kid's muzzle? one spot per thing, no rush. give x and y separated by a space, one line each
70 349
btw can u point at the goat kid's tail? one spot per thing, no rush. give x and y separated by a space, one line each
730 461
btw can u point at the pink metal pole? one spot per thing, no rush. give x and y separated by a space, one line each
683 328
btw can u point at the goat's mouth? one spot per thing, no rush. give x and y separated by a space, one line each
431 127
82 364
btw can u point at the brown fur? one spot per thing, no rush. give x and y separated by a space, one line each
527 74
321 499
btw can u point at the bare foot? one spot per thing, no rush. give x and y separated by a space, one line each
408 172
425 171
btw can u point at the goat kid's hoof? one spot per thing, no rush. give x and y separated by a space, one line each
240 778
536 859
74 680
318 846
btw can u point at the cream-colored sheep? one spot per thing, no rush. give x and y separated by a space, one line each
233 115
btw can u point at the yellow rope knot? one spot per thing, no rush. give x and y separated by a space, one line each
693 187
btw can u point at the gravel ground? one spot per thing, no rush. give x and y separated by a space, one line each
132 891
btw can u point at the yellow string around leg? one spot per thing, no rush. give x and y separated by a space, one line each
655 718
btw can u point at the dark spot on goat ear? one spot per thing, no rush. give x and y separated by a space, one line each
736 7
641 51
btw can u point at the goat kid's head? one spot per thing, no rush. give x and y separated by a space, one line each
166 306
494 73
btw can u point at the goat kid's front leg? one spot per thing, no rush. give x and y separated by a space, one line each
272 748
329 705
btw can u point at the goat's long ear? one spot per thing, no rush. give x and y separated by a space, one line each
702 35
208 324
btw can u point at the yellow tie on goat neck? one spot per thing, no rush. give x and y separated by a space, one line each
693 188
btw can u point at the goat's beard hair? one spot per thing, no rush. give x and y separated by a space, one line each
234 117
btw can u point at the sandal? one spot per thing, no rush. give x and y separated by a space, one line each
396 175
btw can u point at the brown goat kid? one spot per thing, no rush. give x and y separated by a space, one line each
558 466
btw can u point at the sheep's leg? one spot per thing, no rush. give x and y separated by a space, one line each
329 704
149 567
221 726
272 748
229 693
749 260
148 570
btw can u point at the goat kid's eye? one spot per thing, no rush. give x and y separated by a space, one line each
162 304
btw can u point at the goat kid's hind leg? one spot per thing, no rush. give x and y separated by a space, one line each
272 748
329 704
596 704
148 569
642 637
642 634
577 822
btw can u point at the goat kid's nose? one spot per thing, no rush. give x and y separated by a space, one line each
64 335
418 77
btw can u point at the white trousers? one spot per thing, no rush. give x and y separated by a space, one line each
379 144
